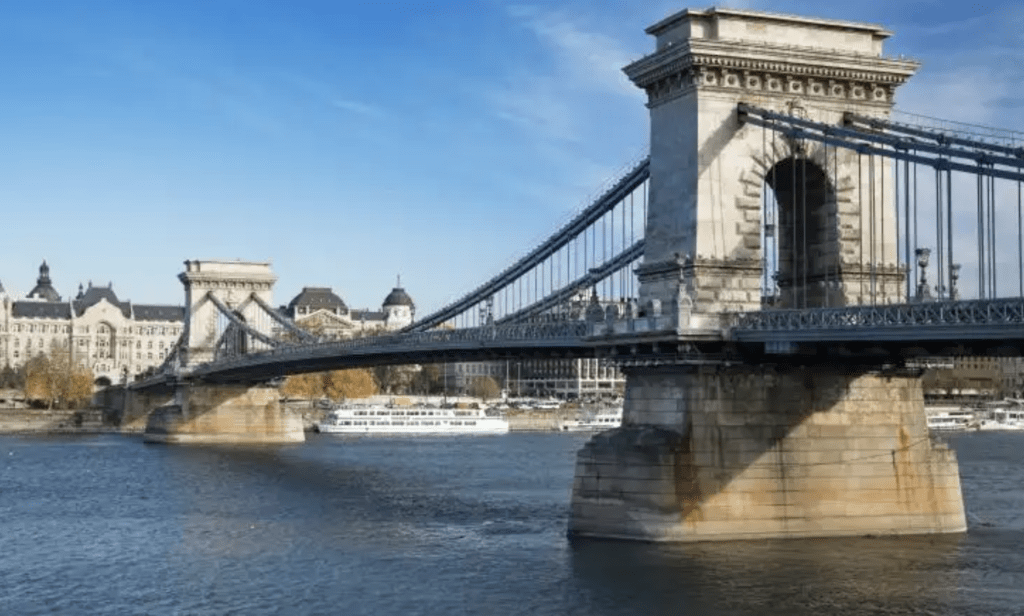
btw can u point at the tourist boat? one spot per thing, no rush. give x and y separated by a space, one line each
602 420
410 420
949 419
1003 419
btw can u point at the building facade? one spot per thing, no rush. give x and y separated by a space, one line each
118 340
568 379
587 378
322 312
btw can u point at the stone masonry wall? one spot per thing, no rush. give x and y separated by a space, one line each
224 414
755 453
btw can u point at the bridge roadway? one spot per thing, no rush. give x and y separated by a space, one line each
879 334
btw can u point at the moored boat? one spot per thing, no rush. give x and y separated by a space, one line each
602 420
411 420
1003 419
945 419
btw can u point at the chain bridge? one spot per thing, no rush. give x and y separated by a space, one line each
769 278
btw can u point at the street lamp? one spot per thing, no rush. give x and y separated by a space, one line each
923 293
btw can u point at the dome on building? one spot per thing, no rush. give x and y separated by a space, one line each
398 297
44 289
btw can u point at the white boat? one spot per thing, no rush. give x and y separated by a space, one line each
602 420
410 420
944 419
1003 419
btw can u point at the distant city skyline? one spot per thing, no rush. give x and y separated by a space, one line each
348 143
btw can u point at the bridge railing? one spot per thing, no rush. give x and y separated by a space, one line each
967 318
520 334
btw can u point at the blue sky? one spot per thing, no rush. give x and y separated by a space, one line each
349 142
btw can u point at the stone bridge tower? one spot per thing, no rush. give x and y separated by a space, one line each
753 446
184 410
232 282
836 227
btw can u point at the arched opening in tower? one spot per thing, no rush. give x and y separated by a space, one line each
241 339
799 237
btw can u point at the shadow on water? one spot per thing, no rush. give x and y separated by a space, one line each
896 575
377 495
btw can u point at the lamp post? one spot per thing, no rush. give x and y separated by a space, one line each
923 292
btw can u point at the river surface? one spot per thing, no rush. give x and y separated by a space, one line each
442 525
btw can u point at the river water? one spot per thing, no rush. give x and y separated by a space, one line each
442 525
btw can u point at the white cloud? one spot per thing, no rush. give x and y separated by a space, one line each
561 99
358 108
592 59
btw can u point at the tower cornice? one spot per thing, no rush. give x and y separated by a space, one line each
753 68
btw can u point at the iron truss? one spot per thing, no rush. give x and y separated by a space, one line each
899 141
945 320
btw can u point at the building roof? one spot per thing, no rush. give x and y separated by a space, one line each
44 289
93 295
34 309
398 297
144 312
317 298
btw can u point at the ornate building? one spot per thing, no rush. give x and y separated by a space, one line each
119 340
322 312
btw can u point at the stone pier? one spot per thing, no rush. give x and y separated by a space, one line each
224 413
759 452
186 410
757 445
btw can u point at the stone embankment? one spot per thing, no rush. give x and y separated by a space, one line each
54 421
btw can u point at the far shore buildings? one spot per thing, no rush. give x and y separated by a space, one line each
121 340
322 312
118 339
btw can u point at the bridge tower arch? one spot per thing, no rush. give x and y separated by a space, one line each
799 236
706 214
231 282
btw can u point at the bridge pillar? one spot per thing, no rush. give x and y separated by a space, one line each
223 413
754 452
232 282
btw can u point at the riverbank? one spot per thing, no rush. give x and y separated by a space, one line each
55 421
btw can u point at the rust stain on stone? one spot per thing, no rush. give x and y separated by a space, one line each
686 476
